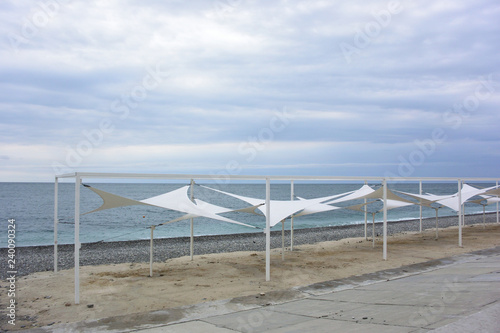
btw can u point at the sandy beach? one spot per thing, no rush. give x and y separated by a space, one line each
110 289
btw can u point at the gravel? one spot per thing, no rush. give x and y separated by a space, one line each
41 258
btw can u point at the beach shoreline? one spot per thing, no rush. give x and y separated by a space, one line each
31 259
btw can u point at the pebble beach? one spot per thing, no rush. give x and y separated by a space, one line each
41 258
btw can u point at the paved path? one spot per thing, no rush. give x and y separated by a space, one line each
457 294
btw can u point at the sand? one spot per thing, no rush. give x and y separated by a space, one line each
45 298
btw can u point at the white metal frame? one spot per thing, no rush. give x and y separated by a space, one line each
92 175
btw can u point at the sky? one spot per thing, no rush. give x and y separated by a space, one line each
240 87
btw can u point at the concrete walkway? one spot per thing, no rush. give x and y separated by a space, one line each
457 294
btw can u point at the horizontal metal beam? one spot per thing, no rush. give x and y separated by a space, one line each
262 177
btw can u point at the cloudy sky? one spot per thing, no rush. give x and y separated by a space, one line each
408 88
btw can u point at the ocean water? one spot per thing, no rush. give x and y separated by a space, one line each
32 206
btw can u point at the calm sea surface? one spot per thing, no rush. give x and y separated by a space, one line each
32 206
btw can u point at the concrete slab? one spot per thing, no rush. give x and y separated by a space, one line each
189 327
328 326
257 320
491 277
399 315
493 259
463 270
389 297
459 295
315 308
485 321
414 286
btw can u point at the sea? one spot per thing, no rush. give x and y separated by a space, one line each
31 205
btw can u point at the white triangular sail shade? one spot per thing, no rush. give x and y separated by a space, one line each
379 194
451 201
317 208
391 204
280 209
467 192
178 200
360 193
175 200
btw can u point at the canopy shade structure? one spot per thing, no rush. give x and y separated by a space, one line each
215 210
393 201
116 201
423 199
111 200
366 192
450 201
358 194
467 192
490 200
494 192
391 204
391 196
360 207
281 209
177 200
316 208
486 200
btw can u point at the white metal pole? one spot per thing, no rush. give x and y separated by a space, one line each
460 213
420 192
463 215
291 221
366 218
151 252
56 221
484 216
373 230
191 243
437 235
268 229
77 239
498 216
282 239
384 182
